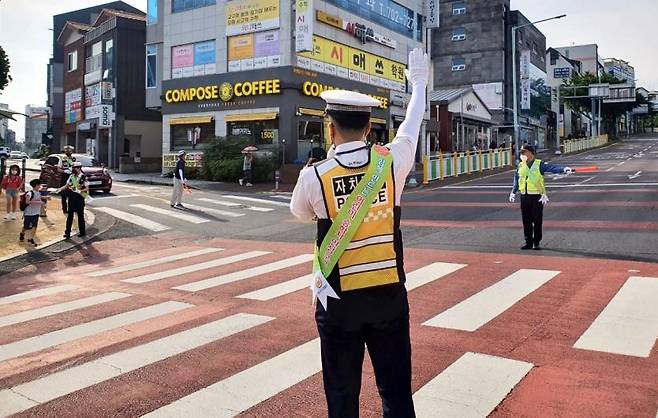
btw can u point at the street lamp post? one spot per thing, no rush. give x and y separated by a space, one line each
515 100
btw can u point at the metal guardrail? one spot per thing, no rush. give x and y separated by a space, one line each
440 166
574 145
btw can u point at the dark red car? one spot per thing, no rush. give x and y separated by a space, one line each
98 177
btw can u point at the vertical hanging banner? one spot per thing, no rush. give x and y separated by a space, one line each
304 25
525 79
432 13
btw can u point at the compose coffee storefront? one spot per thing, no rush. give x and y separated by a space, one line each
277 107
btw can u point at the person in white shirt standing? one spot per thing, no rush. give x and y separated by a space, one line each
367 304
179 182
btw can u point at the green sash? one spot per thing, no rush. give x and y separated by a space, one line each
348 220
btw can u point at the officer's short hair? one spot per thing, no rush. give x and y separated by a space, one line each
350 121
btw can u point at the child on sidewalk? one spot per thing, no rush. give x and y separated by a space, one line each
34 201
12 184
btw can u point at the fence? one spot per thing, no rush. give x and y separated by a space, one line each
574 145
440 166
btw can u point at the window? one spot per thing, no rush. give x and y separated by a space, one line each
72 61
387 13
152 12
459 34
108 74
458 9
151 66
255 131
183 5
192 136
458 64
193 59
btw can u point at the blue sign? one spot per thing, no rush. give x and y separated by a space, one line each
204 53
385 12
561 72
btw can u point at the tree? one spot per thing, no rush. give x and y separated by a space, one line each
5 78
575 91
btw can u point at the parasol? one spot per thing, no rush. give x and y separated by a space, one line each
249 149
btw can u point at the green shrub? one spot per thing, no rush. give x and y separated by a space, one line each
223 159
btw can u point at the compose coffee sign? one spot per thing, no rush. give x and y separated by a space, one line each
224 92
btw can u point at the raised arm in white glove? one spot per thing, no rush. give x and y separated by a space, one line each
512 197
569 170
418 71
543 199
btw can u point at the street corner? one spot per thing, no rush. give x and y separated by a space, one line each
50 230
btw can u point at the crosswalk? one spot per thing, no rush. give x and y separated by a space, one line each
157 216
472 384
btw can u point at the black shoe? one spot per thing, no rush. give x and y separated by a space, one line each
179 206
82 235
31 241
527 247
537 247
21 236
67 236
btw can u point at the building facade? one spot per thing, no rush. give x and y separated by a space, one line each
559 68
55 68
472 49
256 68
588 56
104 102
4 124
620 69
36 124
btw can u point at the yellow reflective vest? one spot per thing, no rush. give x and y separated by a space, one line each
371 259
531 181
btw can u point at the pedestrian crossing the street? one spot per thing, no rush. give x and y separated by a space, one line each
471 383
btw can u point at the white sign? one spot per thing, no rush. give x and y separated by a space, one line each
106 90
72 99
304 25
103 113
525 64
93 95
525 93
432 13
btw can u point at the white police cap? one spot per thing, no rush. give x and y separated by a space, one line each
348 101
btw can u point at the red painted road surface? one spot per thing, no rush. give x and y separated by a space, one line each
540 328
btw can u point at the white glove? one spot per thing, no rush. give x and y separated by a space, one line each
512 197
418 71
569 170
543 199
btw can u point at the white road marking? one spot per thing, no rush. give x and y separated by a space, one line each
634 176
30 394
556 186
236 394
282 197
153 262
195 267
38 313
628 325
244 274
256 200
174 213
133 219
279 289
586 180
37 293
214 211
140 188
487 304
105 197
235 205
51 339
471 387
430 273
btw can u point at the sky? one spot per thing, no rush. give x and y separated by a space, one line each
621 31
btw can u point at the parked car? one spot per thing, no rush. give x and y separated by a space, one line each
4 152
17 155
98 177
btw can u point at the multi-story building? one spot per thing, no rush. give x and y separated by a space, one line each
56 65
255 68
472 50
558 69
4 123
587 55
36 124
104 102
620 69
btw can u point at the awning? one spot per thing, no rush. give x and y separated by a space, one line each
378 120
190 120
251 116
312 112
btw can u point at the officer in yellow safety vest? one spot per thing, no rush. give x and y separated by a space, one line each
529 182
78 192
358 270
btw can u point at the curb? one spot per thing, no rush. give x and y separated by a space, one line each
91 219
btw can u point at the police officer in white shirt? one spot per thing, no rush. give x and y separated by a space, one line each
372 308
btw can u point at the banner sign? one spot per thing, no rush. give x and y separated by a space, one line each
93 95
358 30
525 93
254 51
192 159
247 16
432 13
562 72
304 25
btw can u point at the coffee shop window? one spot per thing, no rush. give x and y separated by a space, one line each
263 132
310 135
192 136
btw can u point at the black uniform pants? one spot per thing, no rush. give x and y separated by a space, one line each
389 348
64 196
76 206
532 213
